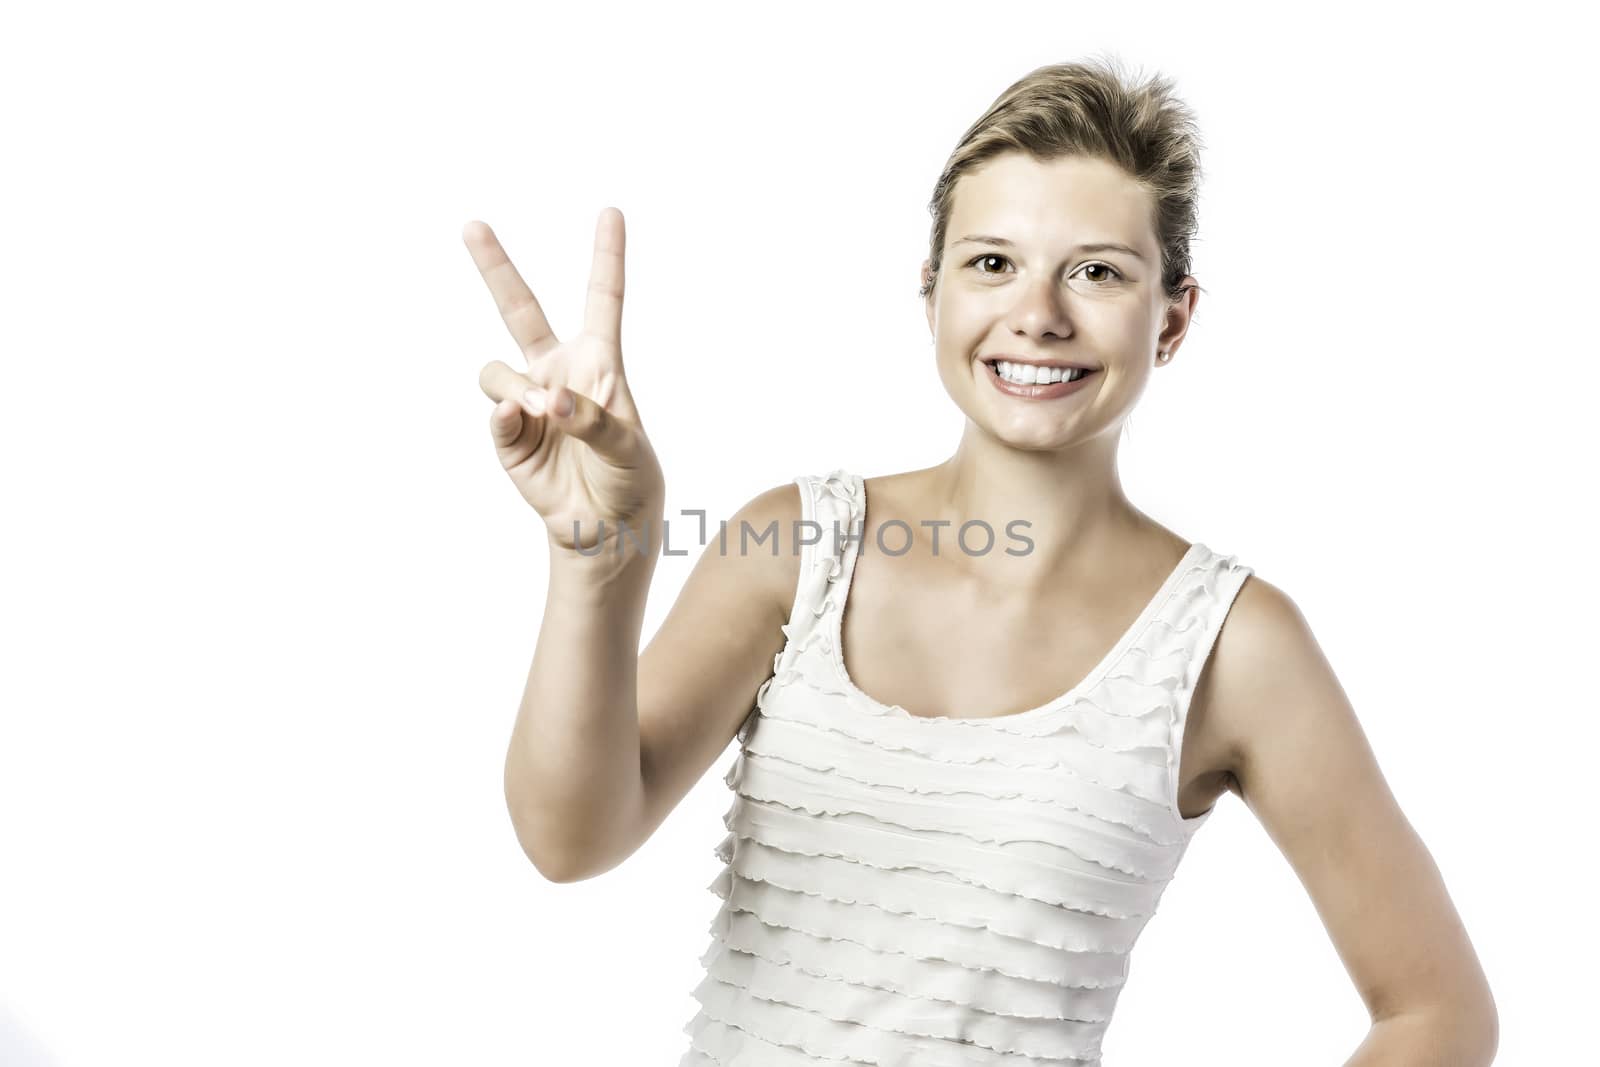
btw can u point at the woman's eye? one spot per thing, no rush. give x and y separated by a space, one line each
1101 266
987 255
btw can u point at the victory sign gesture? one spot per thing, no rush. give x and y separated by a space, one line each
565 427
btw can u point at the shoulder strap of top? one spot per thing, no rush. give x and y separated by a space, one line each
829 506
1182 636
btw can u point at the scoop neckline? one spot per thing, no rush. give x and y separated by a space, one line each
1153 606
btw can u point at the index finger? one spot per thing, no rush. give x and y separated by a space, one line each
519 308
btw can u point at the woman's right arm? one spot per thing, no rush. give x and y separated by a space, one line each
608 741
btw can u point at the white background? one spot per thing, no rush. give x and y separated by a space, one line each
269 599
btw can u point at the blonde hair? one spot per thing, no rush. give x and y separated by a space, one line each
1090 108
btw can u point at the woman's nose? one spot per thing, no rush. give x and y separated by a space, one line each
1040 309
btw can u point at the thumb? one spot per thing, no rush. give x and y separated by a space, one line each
579 416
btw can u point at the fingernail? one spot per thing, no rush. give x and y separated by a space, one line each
563 404
533 401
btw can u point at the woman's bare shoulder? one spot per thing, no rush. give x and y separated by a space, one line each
760 542
1268 671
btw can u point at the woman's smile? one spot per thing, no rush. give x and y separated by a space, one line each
1009 384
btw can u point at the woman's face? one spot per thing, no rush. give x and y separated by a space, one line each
1017 281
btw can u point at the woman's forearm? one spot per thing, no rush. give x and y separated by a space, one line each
572 776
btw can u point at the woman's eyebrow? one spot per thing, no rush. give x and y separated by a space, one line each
1099 246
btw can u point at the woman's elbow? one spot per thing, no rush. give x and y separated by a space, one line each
1485 1025
1467 1030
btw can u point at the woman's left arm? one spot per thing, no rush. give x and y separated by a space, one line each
1302 764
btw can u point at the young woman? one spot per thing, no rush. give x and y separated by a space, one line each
943 852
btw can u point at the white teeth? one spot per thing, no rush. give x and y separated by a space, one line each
1028 374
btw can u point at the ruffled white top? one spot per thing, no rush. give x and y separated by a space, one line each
944 892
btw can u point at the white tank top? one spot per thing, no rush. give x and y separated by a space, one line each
944 892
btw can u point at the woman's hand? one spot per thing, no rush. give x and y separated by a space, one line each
574 448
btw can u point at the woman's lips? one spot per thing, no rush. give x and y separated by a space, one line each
1036 392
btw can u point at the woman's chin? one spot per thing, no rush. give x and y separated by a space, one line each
1029 433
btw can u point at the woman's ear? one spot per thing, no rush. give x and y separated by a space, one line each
927 301
1178 316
